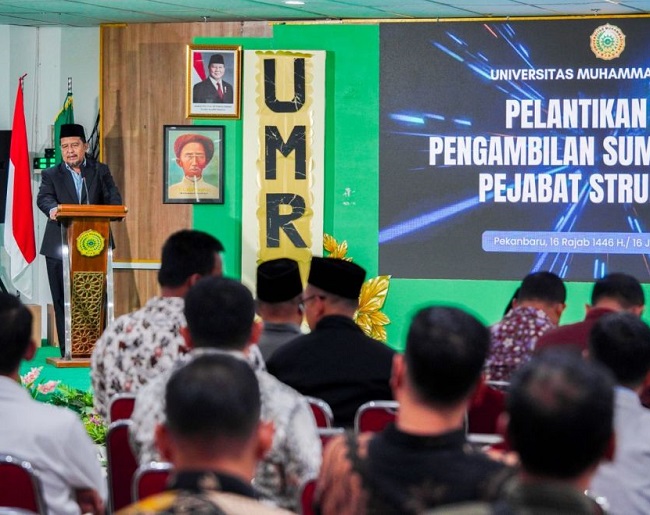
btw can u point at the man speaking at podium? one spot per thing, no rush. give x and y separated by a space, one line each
79 179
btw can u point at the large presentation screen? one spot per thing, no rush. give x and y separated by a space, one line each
512 147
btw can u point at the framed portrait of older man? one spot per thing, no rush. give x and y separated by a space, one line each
193 164
213 81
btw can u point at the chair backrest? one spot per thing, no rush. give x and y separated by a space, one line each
150 479
121 464
120 407
374 416
327 433
20 486
498 385
322 411
485 440
307 497
484 410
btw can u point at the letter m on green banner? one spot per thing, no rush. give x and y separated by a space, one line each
66 115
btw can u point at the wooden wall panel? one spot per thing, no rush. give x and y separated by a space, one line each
142 89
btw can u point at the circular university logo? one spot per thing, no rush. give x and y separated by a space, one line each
90 243
607 42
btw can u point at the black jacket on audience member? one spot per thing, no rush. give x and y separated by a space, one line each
338 363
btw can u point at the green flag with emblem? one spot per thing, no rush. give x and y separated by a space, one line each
66 115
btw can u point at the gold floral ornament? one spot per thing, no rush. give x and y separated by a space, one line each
90 243
372 297
336 250
369 316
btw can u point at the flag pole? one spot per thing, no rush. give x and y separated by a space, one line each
65 115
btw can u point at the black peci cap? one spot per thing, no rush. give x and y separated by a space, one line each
337 276
278 280
216 59
71 130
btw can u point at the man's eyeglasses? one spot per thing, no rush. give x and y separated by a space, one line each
307 299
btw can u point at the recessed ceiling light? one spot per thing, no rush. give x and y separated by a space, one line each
294 2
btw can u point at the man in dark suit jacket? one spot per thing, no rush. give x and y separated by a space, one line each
336 362
213 90
77 180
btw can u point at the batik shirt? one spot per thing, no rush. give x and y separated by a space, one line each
397 473
513 341
294 457
137 347
204 493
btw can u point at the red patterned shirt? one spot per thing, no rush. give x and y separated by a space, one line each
513 341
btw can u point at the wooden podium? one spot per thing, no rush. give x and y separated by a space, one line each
87 277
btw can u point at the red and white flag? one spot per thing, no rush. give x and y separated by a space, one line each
198 67
19 215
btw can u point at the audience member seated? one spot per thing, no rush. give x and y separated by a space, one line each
220 319
621 342
536 310
423 460
52 439
336 362
213 436
139 346
561 423
279 290
612 293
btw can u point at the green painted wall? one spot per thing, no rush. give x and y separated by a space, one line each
351 178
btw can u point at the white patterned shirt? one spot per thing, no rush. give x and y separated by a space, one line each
294 457
54 441
137 347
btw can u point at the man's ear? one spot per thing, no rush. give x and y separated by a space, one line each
192 279
163 442
185 333
265 432
30 351
256 330
637 310
397 373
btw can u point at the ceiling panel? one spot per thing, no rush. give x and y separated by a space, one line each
94 12
447 12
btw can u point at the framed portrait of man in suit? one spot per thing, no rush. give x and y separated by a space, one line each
213 81
193 164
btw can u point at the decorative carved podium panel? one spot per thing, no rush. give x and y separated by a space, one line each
87 277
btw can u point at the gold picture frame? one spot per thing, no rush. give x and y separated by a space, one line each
193 166
213 81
